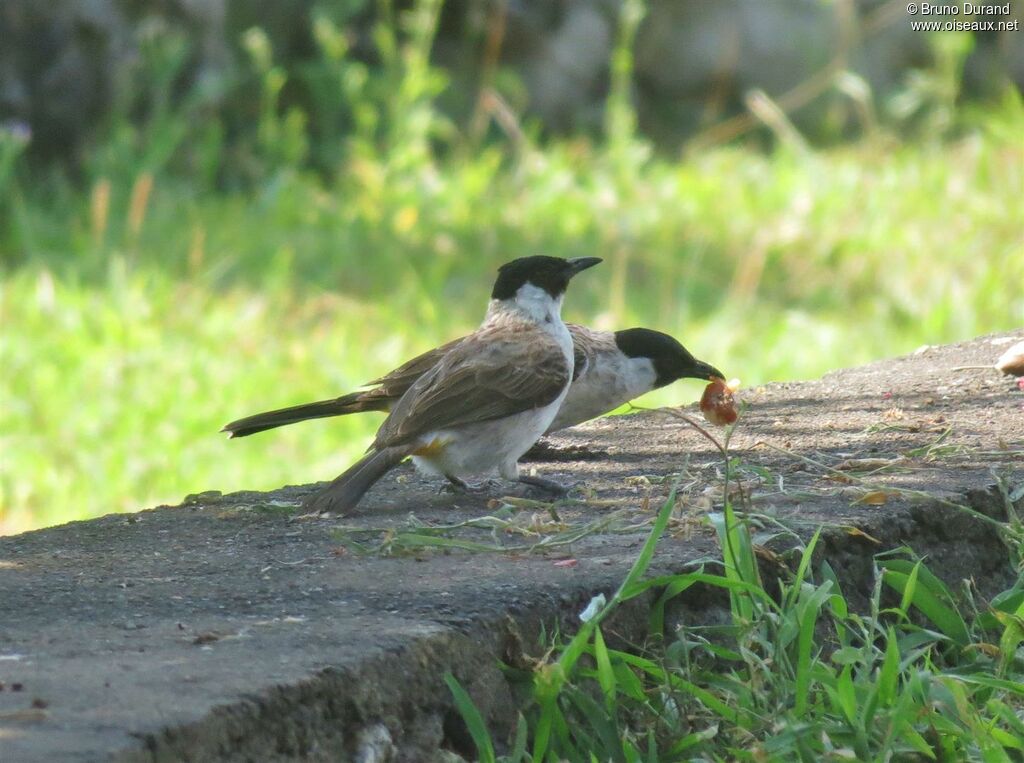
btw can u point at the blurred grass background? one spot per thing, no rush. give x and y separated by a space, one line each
176 280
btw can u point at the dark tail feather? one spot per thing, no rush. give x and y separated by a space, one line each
342 495
355 402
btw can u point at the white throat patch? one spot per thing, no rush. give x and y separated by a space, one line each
537 304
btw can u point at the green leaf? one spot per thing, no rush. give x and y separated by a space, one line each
695 738
847 655
722 652
739 558
676 585
643 560
1012 636
680 581
978 679
932 603
605 674
474 721
578 643
909 587
1008 716
917 742
733 586
548 689
518 753
652 746
708 699
801 570
680 684
847 694
545 722
807 613
1006 739
888 676
418 539
562 734
627 681
836 601
601 721
1011 599
643 663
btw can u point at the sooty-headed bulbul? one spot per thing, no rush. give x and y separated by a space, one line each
610 369
488 399
620 366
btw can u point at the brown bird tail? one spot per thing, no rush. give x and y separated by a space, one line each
355 402
348 488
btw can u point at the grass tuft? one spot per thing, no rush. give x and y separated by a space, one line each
794 674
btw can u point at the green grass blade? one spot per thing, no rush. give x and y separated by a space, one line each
656 620
1011 599
562 734
847 694
549 686
981 679
643 560
708 699
694 738
807 612
602 722
888 675
518 752
1006 739
473 720
605 674
836 602
738 556
652 747
627 681
1009 717
661 581
909 587
801 571
1011 637
419 539
917 742
680 684
545 723
567 660
733 585
931 604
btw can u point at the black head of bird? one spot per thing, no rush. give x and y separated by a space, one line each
552 274
670 359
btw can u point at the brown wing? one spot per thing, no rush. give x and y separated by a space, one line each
579 352
403 377
491 374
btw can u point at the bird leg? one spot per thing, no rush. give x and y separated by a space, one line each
457 485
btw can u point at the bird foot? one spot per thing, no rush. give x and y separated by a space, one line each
309 515
456 485
318 504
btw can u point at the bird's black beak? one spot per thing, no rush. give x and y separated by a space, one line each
702 370
579 264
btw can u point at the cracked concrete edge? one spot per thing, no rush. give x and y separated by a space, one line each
396 707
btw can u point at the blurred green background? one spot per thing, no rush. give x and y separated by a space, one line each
214 240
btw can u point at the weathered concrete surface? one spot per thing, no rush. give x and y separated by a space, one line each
229 629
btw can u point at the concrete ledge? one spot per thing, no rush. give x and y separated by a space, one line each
229 629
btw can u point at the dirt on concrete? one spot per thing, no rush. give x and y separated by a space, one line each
232 628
